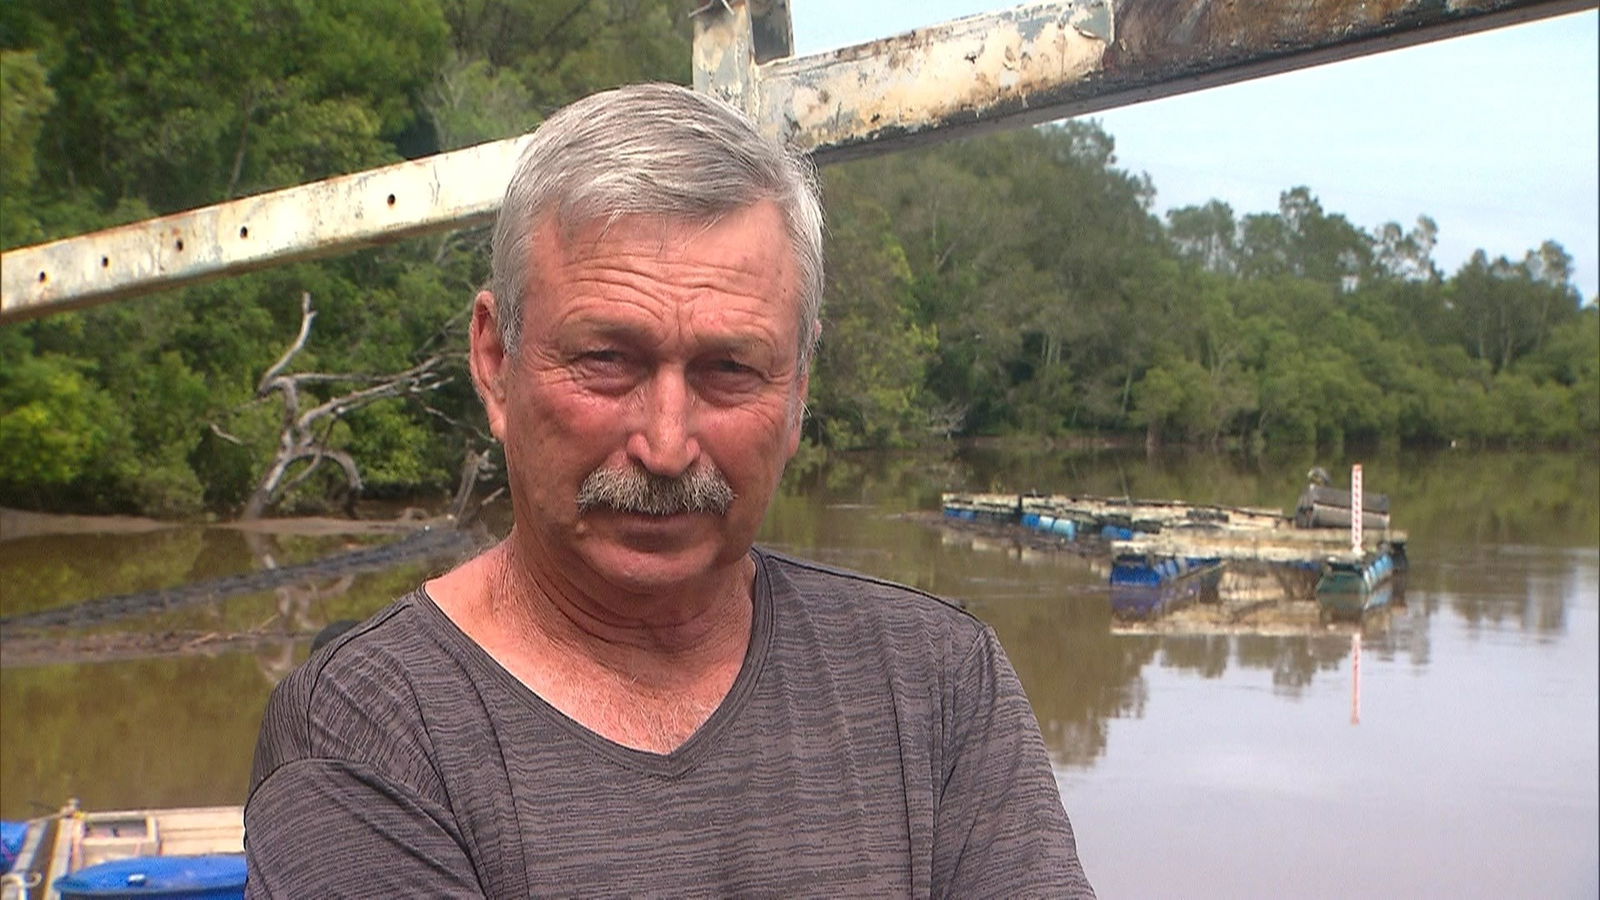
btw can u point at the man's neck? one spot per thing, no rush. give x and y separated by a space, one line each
644 671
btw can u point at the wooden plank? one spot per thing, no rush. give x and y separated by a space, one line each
1287 545
212 829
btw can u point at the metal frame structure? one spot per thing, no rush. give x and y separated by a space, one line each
1029 64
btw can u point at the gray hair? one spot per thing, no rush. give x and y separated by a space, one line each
653 150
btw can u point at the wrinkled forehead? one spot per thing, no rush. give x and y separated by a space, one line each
752 237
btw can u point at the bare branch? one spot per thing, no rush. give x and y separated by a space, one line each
316 460
306 435
217 430
307 314
413 380
457 423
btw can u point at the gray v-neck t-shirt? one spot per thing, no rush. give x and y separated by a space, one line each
875 743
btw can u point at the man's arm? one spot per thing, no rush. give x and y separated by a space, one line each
344 799
1000 829
328 828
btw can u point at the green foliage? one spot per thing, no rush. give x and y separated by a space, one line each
1015 284
25 100
514 61
184 103
395 448
57 427
868 376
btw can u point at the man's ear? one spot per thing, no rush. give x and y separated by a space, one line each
797 414
803 391
802 394
490 365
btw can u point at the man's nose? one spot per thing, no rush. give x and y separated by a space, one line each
664 441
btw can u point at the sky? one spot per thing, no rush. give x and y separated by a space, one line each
1493 135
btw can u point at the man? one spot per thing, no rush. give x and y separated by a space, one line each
623 698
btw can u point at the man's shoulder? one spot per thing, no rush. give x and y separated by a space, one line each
357 698
862 599
811 575
383 647
372 666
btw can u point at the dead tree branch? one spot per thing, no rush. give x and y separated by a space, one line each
303 437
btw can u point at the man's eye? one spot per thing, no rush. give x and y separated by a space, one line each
604 369
731 367
603 362
728 378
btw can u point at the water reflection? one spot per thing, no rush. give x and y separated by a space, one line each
1481 673
142 732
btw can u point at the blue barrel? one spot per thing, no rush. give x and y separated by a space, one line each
215 876
12 837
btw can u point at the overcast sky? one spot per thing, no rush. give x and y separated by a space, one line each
1494 135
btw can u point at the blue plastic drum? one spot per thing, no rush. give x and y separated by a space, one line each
216 876
12 837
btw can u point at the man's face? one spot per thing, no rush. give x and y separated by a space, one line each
650 346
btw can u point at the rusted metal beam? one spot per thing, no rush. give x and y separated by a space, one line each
450 190
1045 61
1025 65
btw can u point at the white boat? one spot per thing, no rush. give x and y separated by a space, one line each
72 841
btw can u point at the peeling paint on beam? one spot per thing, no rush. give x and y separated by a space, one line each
1024 66
319 219
1168 47
966 71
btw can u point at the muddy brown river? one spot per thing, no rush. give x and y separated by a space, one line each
1445 747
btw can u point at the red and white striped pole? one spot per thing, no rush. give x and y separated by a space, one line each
1356 513
1355 678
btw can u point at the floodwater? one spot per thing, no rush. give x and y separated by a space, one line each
1446 747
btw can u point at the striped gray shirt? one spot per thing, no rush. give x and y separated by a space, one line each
875 743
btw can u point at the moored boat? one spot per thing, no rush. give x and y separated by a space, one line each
195 852
1354 585
1146 587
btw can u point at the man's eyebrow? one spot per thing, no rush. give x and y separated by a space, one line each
734 343
599 326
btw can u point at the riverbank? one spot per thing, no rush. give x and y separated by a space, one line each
17 523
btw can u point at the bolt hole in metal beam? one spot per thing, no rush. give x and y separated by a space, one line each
458 189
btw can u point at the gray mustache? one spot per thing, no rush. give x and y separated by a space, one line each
632 490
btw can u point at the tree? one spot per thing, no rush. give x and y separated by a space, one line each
25 101
186 104
1305 241
873 357
1407 255
1207 236
307 435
